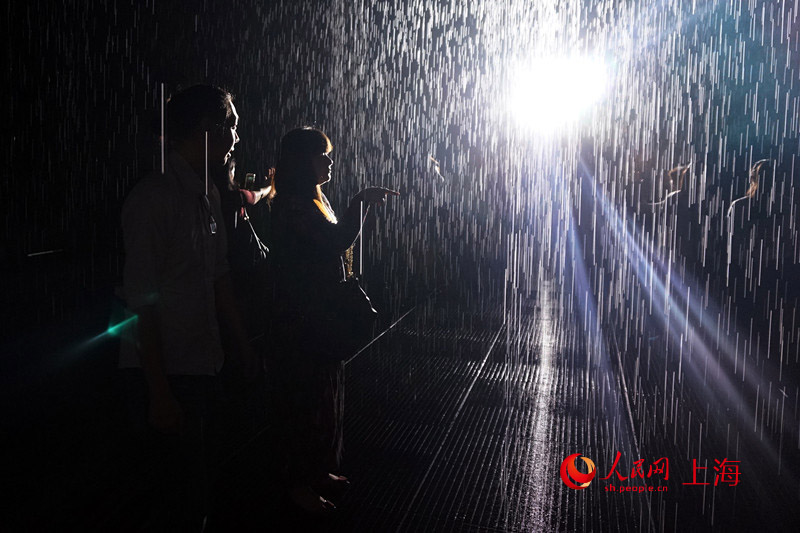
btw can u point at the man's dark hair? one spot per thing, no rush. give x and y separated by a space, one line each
198 107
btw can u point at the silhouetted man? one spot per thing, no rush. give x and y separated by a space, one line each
176 282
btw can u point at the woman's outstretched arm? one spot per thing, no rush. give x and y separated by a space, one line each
320 234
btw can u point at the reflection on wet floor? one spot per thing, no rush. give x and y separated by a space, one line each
451 428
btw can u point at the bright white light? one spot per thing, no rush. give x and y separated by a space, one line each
550 93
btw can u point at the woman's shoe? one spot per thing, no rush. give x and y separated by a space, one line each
332 485
305 498
338 479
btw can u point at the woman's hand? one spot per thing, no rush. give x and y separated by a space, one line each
374 195
253 197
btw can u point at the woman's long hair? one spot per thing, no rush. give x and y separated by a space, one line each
294 173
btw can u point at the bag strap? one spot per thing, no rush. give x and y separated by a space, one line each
244 216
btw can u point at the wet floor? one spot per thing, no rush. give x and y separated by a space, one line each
460 422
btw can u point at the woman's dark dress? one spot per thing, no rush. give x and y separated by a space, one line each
306 263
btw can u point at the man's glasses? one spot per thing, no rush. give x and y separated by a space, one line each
212 223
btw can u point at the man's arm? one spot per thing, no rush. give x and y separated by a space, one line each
164 412
230 318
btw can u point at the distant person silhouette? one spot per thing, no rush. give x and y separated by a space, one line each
308 242
747 219
176 282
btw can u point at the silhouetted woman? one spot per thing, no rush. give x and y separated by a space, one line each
308 242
